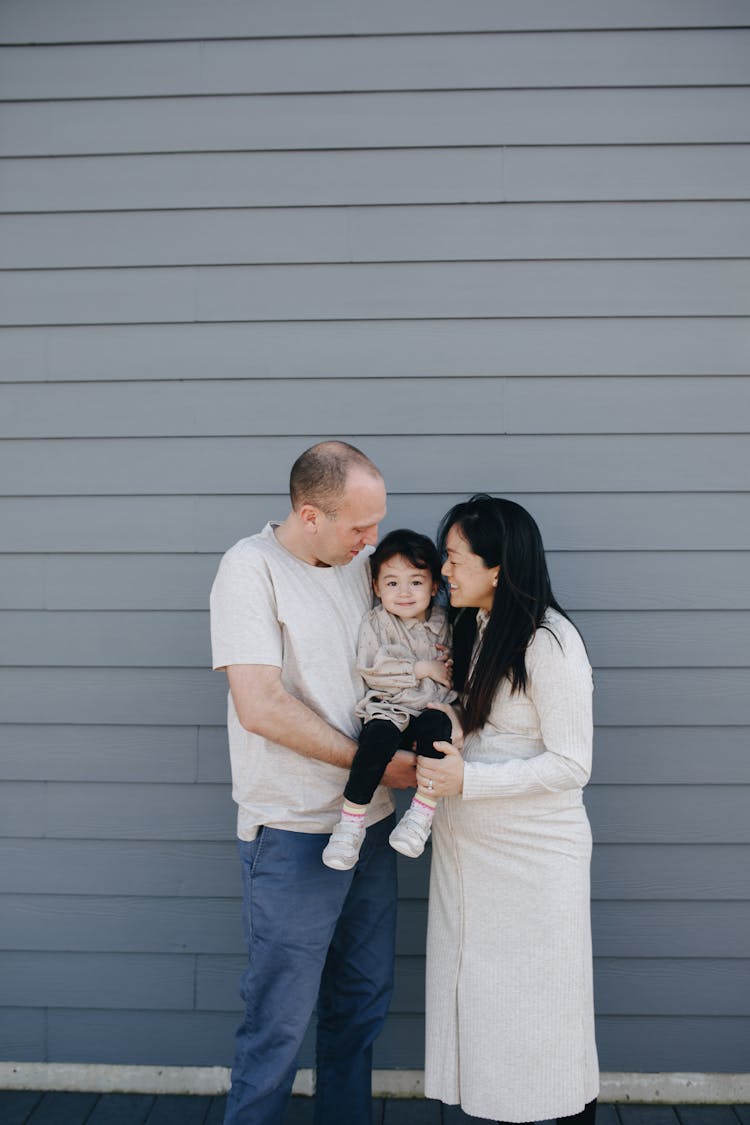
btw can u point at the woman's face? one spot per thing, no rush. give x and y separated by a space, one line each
471 583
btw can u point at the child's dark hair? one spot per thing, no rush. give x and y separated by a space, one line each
417 549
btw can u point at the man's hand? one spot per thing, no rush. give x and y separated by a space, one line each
402 771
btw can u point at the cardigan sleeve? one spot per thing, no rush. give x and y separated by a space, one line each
383 666
559 685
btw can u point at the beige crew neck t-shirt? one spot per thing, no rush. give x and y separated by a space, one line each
269 607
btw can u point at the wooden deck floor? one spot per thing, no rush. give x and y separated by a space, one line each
37 1108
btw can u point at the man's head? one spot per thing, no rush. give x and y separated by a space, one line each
338 497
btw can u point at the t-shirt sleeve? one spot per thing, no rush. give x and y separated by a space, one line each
244 624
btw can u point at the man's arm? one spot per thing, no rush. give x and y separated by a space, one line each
265 707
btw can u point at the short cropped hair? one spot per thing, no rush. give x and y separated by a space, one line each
319 475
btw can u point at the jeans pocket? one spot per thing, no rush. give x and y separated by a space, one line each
250 851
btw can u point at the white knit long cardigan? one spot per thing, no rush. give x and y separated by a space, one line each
510 1016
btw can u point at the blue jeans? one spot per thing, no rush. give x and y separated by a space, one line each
312 932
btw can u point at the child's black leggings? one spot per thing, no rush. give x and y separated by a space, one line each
379 741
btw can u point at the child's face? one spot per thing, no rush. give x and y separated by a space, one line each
405 590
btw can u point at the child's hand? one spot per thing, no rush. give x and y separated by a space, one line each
436 670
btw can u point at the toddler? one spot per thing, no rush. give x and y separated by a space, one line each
399 660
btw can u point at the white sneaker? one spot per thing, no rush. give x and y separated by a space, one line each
411 833
342 850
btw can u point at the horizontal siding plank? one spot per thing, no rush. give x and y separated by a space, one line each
622 986
81 1035
582 580
129 639
23 809
670 929
208 869
572 522
157 639
117 581
82 19
695 57
133 924
465 175
633 697
97 980
448 405
663 987
673 405
637 813
673 639
668 814
23 1034
159 868
671 755
205 1038
622 755
576 463
663 1044
650 580
667 872
376 234
261 407
132 811
595 172
624 697
409 290
98 753
357 349
212 926
376 120
663 755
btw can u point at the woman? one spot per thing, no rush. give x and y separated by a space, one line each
510 1020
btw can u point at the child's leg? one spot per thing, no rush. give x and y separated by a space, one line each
431 726
378 743
412 832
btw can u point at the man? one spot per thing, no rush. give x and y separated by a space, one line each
285 612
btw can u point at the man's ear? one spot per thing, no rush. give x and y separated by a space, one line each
310 515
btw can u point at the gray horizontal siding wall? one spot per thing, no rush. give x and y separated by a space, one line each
501 246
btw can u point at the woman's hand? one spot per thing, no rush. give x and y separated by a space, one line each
457 734
441 777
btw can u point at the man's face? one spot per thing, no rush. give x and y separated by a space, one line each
339 538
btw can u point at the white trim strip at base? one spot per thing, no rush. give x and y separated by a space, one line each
655 1089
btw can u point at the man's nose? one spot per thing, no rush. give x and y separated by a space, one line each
370 537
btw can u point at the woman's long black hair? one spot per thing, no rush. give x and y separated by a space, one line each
503 534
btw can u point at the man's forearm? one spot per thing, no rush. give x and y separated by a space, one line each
265 708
